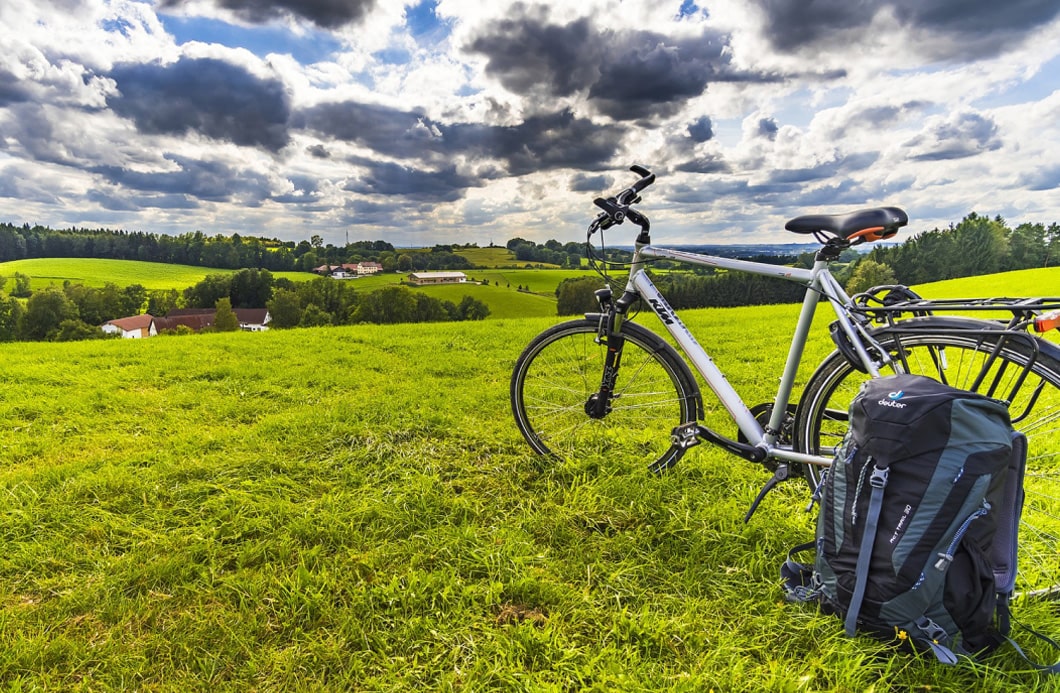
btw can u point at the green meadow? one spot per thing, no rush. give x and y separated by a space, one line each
97 272
352 508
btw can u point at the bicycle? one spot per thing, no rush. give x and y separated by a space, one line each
607 385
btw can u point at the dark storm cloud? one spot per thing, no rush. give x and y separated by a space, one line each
711 163
211 97
383 129
964 135
383 178
767 128
557 140
702 130
329 14
12 89
627 74
205 180
581 182
318 151
974 26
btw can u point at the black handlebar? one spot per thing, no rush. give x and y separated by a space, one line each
617 209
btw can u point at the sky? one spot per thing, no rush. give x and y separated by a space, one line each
464 121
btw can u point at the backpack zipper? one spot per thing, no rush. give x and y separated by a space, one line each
946 558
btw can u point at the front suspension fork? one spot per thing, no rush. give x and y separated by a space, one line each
599 403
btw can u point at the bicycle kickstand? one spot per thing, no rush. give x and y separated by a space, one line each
782 473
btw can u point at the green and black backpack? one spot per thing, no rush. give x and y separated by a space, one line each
919 515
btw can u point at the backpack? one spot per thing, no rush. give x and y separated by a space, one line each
918 521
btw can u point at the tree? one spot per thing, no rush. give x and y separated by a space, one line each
472 309
575 296
206 293
11 312
285 309
161 301
22 288
250 288
225 319
45 312
77 330
868 274
314 316
391 304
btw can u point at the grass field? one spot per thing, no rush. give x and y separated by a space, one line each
1032 282
97 272
353 509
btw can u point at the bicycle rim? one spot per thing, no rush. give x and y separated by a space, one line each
964 361
561 369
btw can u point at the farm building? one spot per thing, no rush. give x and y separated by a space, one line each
250 319
348 270
426 278
134 327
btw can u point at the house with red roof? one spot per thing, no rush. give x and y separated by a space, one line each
134 327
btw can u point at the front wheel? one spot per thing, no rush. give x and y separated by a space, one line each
557 379
1023 371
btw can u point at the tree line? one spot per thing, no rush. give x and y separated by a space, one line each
75 311
975 246
217 251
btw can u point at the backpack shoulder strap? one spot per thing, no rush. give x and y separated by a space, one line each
878 481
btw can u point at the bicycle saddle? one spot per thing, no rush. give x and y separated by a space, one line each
863 225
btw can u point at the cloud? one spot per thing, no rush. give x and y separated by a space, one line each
970 27
702 130
624 74
960 136
328 14
1047 178
12 89
208 96
555 140
383 178
212 181
708 163
581 182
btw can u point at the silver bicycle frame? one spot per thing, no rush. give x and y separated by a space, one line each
818 281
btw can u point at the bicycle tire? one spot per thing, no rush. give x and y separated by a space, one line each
821 418
561 369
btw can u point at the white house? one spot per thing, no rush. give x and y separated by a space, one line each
134 327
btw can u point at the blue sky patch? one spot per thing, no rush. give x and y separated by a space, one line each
259 40
423 22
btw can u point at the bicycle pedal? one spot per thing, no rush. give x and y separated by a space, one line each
686 435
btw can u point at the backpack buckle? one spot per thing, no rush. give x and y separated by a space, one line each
878 478
934 632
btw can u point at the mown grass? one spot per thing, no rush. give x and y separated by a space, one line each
353 509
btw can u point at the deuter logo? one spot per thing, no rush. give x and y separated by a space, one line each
891 400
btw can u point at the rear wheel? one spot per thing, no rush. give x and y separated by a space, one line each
998 366
556 381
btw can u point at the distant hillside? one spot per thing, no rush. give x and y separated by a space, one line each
1029 282
97 272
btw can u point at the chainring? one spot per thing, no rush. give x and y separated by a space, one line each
762 412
